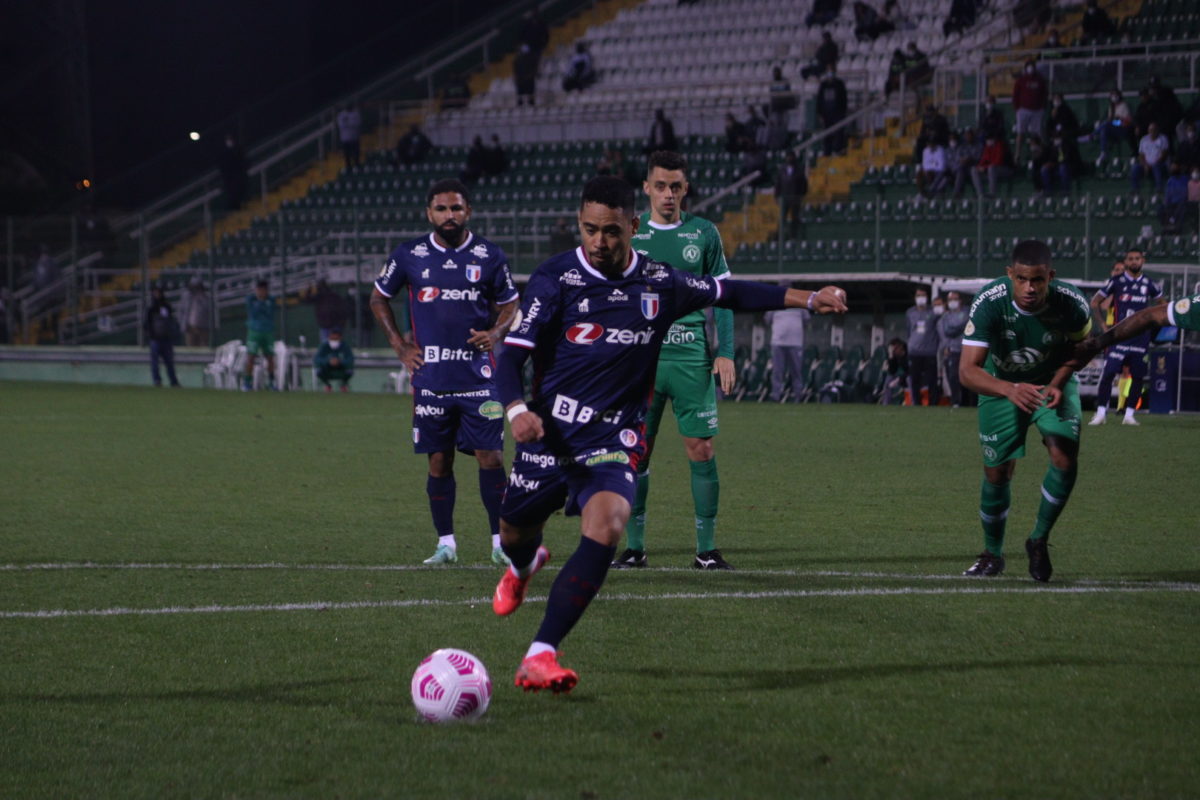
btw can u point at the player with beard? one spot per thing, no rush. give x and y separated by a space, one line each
1017 355
1131 292
593 320
461 301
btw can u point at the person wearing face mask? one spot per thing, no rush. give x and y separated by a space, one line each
1051 47
991 121
1153 152
922 351
1030 92
1117 126
966 155
1062 118
950 326
1097 25
334 361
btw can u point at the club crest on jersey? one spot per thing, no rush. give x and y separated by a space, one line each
1182 306
479 251
650 305
474 273
421 250
691 254
628 437
584 332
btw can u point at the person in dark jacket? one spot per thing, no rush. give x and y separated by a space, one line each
160 333
831 109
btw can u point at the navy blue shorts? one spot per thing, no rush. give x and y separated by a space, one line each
467 421
540 483
1124 356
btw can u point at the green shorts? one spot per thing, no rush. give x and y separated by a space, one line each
693 394
260 343
1002 426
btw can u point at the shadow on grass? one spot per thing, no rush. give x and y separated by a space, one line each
751 680
296 693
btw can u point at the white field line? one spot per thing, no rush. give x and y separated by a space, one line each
475 601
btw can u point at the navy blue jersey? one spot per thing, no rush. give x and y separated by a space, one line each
1130 295
449 293
595 344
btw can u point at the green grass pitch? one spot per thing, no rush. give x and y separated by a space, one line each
279 537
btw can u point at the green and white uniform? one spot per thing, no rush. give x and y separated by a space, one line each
1025 347
684 375
1185 313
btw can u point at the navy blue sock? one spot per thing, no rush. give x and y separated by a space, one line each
441 503
521 554
1104 389
576 585
491 491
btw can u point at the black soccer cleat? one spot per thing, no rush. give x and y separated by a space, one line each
710 559
987 565
1039 559
630 559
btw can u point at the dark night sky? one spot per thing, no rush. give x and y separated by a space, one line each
158 69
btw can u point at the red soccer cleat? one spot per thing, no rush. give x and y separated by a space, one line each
543 672
510 592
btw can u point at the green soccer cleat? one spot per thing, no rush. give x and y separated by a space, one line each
443 555
499 558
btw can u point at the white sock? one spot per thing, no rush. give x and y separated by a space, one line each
537 648
495 540
448 541
1128 412
1102 411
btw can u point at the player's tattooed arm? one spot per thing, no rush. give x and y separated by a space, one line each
408 353
486 340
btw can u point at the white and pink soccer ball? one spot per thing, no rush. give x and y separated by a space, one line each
451 686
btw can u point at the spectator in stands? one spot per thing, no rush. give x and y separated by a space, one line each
349 125
535 34
334 361
1153 152
922 351
1144 114
1187 148
995 163
1168 111
791 185
787 351
782 99
477 160
413 147
456 93
932 173
755 126
581 72
962 157
896 68
1055 166
894 378
662 135
260 333
831 109
735 131
777 134
197 314
895 15
950 327
823 12
1052 47
495 158
934 128
1038 153
1030 92
1097 25
991 121
160 326
1062 118
232 165
917 69
1173 211
329 308
525 68
1117 126
962 17
869 24
827 54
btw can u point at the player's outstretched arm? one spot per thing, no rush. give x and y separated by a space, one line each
751 296
407 352
1025 396
1128 328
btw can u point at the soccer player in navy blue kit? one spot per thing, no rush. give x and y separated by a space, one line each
593 320
1131 292
457 282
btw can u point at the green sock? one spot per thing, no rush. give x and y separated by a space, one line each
635 529
706 491
994 501
1056 490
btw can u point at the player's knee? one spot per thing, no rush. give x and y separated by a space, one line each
441 465
489 459
699 449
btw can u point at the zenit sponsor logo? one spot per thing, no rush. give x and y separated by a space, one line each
591 332
428 294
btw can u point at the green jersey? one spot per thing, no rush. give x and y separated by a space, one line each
1185 313
692 244
1023 346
